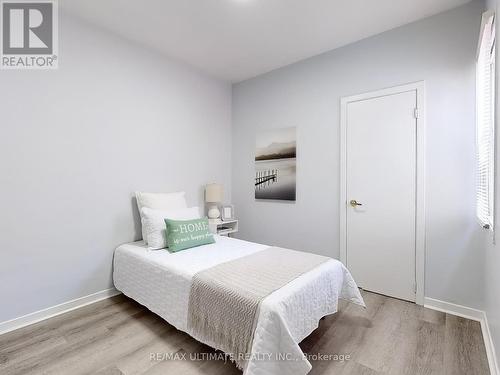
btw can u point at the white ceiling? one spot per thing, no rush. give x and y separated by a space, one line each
239 39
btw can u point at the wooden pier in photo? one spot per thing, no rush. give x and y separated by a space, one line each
263 177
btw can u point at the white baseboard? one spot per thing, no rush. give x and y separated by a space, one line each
473 314
26 320
490 346
453 309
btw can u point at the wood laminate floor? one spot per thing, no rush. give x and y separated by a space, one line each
118 336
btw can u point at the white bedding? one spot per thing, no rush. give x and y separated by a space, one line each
161 281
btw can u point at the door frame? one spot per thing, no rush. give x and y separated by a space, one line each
419 87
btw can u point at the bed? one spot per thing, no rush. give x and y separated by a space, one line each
161 281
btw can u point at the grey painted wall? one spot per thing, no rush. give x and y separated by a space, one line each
492 256
439 50
77 142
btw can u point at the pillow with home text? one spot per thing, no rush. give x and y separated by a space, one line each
185 234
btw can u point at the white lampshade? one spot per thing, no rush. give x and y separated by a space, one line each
214 193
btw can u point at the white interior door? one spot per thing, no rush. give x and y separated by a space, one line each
380 177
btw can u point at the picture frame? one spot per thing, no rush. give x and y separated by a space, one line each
276 164
227 212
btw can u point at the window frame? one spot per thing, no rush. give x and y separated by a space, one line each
486 215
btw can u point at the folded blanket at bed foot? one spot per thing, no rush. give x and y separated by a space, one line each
224 302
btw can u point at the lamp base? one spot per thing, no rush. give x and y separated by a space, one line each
213 212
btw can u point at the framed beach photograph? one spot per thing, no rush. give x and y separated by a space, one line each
275 164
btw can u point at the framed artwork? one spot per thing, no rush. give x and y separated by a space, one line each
275 164
227 212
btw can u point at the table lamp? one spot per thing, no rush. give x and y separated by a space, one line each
213 195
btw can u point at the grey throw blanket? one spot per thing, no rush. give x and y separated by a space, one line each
224 299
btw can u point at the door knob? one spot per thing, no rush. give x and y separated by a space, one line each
354 203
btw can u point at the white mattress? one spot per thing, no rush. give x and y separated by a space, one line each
161 281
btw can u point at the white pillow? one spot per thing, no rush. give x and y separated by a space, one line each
154 227
160 201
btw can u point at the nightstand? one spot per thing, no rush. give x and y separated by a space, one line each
223 228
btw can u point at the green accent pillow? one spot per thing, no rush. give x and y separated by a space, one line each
184 234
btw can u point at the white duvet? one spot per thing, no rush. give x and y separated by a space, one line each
161 281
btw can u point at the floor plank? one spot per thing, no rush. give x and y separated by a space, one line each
120 337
